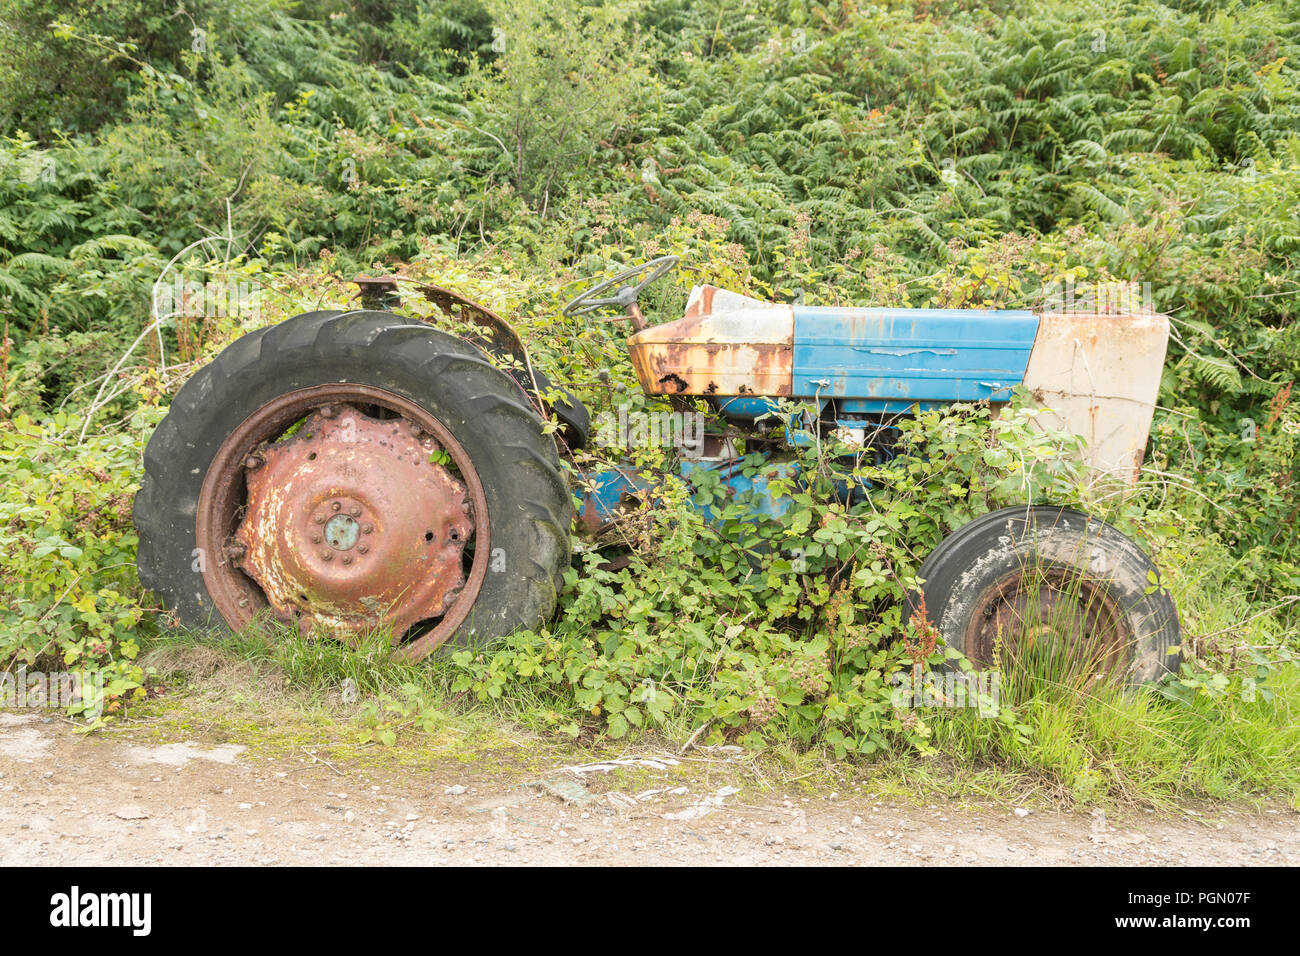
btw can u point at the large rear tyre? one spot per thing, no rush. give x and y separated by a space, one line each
351 472
1054 586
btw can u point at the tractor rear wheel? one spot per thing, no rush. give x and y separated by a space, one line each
1050 590
349 473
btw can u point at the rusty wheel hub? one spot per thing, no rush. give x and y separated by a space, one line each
345 508
350 524
1057 606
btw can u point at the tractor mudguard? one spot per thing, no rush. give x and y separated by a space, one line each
498 339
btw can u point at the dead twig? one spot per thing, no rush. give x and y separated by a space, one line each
314 757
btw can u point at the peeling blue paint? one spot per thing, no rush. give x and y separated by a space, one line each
745 407
904 355
732 473
900 352
609 486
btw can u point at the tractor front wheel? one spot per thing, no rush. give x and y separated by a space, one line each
1052 592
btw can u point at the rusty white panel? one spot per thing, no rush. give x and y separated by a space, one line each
709 298
725 345
1098 376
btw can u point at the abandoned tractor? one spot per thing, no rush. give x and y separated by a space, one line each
350 472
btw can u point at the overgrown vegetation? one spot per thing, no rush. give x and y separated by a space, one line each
929 154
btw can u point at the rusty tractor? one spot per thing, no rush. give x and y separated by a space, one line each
357 471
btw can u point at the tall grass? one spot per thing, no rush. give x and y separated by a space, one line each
1091 739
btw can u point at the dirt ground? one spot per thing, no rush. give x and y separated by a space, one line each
125 798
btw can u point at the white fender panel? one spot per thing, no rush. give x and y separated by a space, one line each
1098 376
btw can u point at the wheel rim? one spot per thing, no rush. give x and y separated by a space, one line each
368 514
1056 611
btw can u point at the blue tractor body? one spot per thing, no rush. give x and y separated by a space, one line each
886 360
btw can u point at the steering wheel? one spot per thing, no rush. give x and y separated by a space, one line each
625 298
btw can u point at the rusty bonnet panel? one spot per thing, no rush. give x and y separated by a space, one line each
728 345
1097 374
745 349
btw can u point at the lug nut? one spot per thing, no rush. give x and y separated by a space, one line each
416 430
355 511
315 539
364 549
243 602
335 506
326 555
253 461
319 519
347 559
367 528
234 552
328 411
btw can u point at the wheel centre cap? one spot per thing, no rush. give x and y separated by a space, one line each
341 532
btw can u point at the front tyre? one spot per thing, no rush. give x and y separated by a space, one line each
1050 586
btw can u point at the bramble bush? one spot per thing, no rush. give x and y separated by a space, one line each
779 628
67 553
